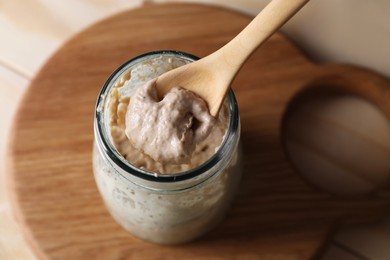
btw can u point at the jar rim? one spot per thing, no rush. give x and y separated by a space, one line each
109 150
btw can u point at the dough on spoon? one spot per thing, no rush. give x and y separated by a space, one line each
167 130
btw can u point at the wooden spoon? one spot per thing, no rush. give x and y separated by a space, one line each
211 77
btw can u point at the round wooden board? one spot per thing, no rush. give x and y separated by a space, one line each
276 215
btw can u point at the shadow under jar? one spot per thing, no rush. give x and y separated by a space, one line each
173 207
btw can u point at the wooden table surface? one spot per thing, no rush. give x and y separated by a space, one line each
33 29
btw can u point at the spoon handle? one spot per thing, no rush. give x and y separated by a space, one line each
269 20
220 68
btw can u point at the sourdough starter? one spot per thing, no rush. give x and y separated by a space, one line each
165 213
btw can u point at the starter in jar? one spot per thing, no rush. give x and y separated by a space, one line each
165 136
170 190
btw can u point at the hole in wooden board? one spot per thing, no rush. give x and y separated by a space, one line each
339 142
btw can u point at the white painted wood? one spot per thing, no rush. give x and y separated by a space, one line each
31 30
12 243
341 144
348 31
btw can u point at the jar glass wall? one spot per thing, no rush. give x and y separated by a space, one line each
165 208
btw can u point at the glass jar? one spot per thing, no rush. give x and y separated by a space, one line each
165 208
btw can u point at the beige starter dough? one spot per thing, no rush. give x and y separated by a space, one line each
169 136
167 130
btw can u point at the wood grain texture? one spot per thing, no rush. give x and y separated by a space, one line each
276 215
